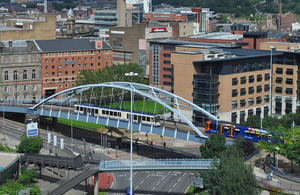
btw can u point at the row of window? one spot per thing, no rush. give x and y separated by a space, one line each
234 104
16 76
66 85
72 53
73 59
250 113
288 81
59 73
287 90
251 78
60 79
25 97
73 65
243 91
288 71
250 67
16 88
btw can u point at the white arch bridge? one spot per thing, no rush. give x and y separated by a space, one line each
95 95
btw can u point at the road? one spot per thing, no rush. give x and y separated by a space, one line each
146 182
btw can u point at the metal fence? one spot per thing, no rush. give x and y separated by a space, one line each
10 171
162 164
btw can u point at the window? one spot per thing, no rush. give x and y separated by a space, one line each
243 68
242 116
66 72
66 66
289 71
234 104
234 81
5 89
67 85
33 87
243 103
260 66
243 80
251 79
85 58
59 59
33 74
59 53
66 53
234 69
66 59
46 61
278 104
46 67
15 75
53 60
106 57
167 55
279 71
52 54
47 80
53 67
46 73
258 100
234 93
278 80
258 89
243 91
25 87
60 86
289 81
250 101
79 59
251 90
6 75
250 112
167 62
266 98
289 91
266 110
278 89
16 88
233 117
267 77
25 74
92 58
251 67
259 78
267 88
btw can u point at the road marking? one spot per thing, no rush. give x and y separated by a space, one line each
152 189
136 187
164 177
174 184
148 176
158 183
169 190
142 182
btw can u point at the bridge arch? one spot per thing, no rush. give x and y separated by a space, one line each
147 91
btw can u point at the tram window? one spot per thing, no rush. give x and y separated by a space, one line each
148 119
135 117
236 131
89 110
211 126
103 112
111 113
143 118
263 135
106 112
257 134
151 119
252 133
119 114
128 116
96 111
81 108
115 114
226 129
77 108
246 132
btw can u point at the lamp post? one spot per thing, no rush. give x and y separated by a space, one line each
277 158
131 74
271 78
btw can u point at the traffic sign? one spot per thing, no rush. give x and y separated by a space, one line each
196 181
32 129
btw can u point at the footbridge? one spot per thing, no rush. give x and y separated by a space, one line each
173 120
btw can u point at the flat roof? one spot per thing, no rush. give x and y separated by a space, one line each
178 42
218 35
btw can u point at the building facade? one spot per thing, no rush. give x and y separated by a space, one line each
63 60
20 65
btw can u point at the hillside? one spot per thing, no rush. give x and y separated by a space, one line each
240 7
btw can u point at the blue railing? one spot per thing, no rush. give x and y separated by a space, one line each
166 164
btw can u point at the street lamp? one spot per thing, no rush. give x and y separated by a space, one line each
277 157
271 76
131 74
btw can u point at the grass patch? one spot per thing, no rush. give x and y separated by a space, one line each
196 191
79 124
138 105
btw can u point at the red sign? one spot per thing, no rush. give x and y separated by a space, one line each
99 44
154 30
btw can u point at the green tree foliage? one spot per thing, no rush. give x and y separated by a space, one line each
60 6
7 149
33 145
231 176
213 146
246 146
26 180
31 5
223 18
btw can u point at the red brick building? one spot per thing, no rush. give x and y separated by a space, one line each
62 60
165 17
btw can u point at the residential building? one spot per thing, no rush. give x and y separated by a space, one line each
20 67
62 60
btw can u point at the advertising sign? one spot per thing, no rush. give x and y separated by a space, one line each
32 129
155 30
55 140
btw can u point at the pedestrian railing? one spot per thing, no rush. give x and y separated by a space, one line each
10 171
162 164
274 185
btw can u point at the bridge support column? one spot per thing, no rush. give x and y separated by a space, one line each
96 184
40 169
54 121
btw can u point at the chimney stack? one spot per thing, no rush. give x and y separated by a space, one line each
10 47
79 6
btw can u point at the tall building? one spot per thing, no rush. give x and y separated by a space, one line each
20 67
62 60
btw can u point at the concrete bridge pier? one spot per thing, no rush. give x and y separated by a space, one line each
96 184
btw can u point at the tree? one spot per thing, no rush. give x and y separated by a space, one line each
231 175
213 146
223 18
32 145
246 146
